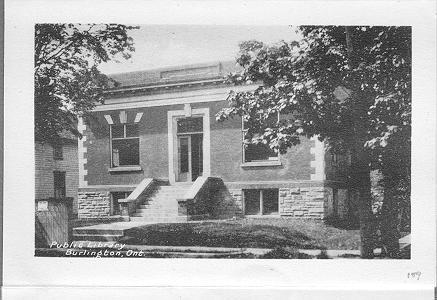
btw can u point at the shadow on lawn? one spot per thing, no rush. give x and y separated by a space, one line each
346 224
216 234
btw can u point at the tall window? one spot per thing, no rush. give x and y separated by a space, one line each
57 152
256 152
125 145
59 184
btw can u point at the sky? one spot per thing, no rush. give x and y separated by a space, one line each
159 46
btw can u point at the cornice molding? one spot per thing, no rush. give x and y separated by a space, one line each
185 97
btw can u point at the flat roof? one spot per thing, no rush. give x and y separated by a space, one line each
171 75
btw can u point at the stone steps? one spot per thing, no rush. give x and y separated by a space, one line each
158 205
97 237
163 198
161 205
93 233
166 196
106 231
155 214
174 219
157 209
161 201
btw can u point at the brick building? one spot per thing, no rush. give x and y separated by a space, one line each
154 151
56 170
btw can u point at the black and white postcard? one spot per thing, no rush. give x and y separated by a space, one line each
242 149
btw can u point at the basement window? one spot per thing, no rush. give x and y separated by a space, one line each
125 144
115 207
261 201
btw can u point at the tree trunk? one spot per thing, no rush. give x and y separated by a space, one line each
360 167
389 225
360 179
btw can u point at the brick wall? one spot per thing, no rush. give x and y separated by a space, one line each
227 154
45 165
225 142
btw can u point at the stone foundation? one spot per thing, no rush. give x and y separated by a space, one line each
95 204
300 202
305 202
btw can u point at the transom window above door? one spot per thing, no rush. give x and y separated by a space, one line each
190 125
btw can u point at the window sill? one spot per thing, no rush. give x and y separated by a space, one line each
267 163
125 169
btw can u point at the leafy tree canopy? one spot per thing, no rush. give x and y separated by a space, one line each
325 83
351 87
67 81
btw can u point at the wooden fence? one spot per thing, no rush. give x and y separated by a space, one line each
52 221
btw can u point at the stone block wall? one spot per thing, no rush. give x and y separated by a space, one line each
94 204
305 202
299 202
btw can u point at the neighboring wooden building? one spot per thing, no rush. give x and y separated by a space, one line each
57 171
154 151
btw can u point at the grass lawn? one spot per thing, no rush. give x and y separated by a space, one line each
245 233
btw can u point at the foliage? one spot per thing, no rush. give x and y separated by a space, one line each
350 86
304 79
67 81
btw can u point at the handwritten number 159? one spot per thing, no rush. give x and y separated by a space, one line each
414 275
